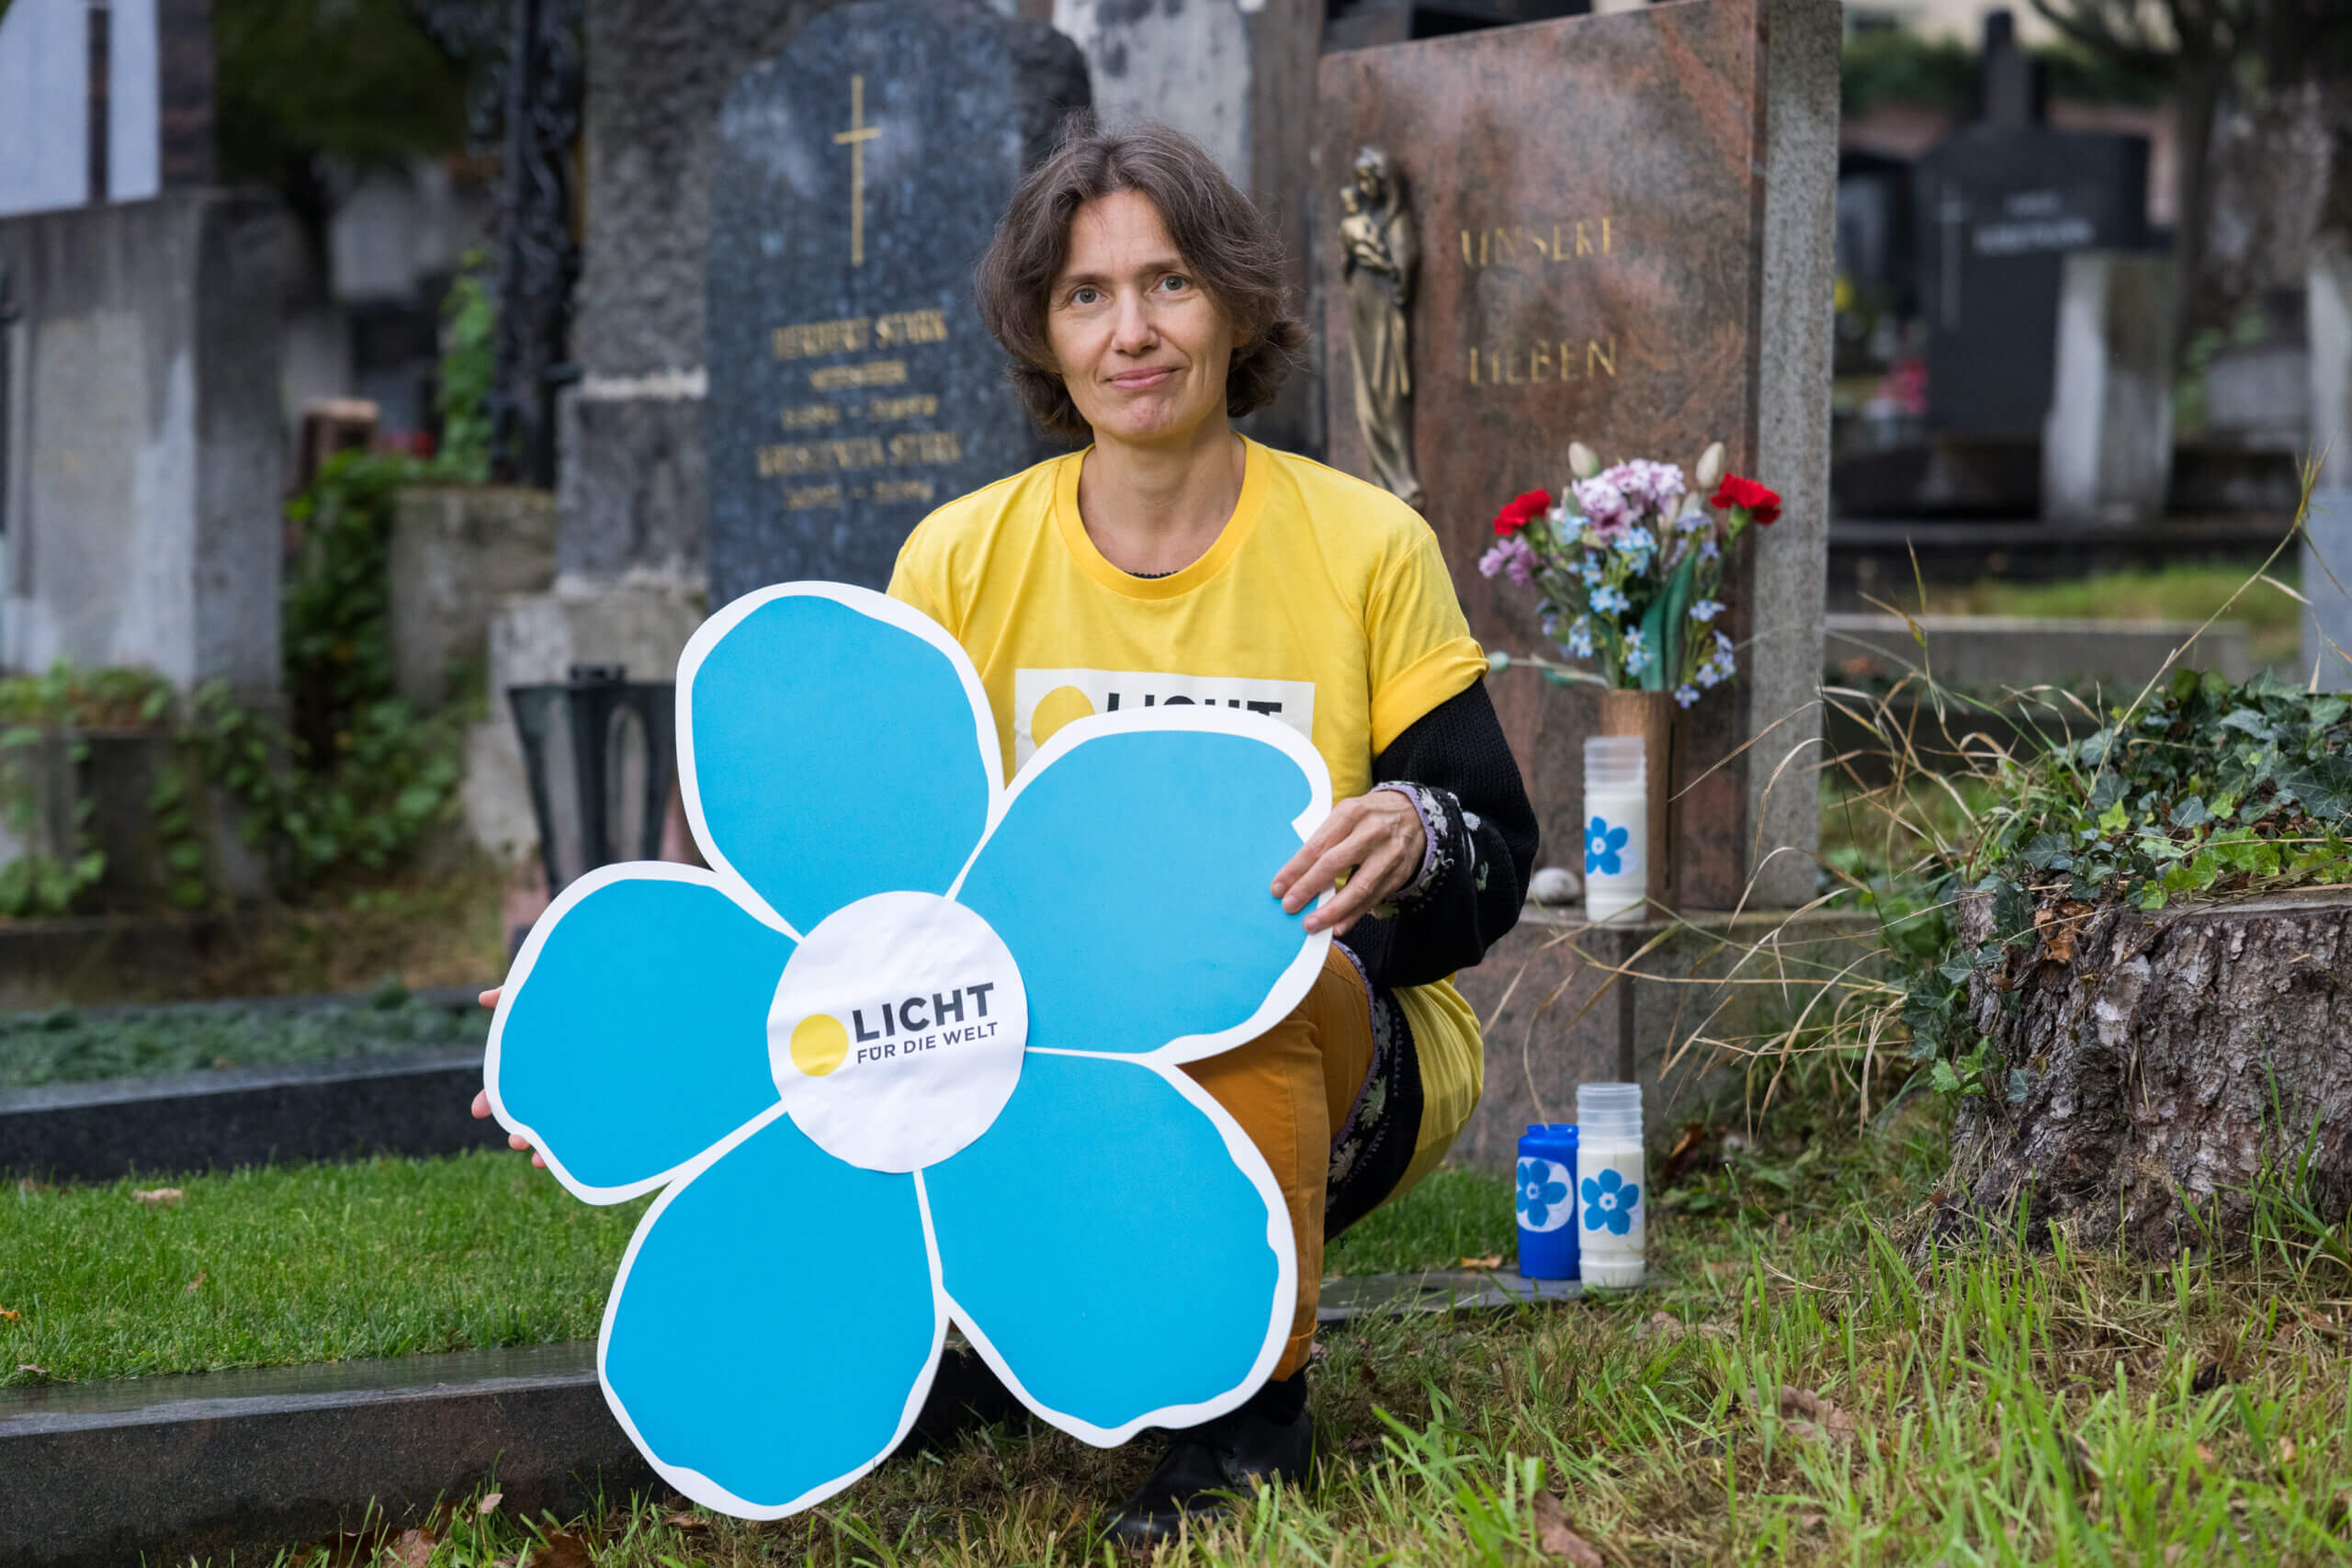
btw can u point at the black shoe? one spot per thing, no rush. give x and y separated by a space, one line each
1227 1455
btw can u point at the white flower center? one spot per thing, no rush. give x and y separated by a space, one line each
896 1032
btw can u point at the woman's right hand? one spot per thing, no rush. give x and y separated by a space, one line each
481 1099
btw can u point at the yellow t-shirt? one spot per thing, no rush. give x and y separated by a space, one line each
1324 603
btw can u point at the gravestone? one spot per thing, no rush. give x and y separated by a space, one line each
1999 209
857 180
1626 227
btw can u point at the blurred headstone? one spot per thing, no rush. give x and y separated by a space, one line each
2106 445
857 180
2328 584
1999 209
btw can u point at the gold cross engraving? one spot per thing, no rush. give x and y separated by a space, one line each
856 138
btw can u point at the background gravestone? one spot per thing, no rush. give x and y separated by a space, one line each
855 182
1625 230
1999 209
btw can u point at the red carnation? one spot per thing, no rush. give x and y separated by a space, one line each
1762 503
1526 508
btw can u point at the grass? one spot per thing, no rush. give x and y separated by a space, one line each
329 1262
2190 592
62 1045
1798 1391
392 1257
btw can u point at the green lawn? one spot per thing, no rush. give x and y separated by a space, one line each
384 1257
389 1258
1796 1391
2185 593
1799 1393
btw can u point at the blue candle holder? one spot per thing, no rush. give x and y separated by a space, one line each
1546 1201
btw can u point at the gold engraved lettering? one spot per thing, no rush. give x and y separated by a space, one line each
873 373
808 416
1544 362
925 446
1562 239
1473 349
801 498
807 340
849 453
902 490
918 405
911 327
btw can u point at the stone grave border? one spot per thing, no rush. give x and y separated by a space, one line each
412 1103
253 1460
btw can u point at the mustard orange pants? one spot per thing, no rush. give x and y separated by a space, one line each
1290 1090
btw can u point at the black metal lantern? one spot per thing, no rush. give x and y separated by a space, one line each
601 751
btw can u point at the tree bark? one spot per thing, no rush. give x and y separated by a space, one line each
2173 1063
2197 88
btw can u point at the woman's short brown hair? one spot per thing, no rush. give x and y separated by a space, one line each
1224 239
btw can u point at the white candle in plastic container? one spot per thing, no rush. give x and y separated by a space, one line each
1613 1189
1616 827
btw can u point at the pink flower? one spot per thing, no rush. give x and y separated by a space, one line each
1654 487
1603 504
1511 555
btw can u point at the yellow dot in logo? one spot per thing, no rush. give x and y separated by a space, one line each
1056 708
818 1044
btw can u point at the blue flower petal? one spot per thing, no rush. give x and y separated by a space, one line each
775 1326
632 1034
1129 935
836 745
1118 1259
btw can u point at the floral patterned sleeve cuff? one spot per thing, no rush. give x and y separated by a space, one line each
1441 827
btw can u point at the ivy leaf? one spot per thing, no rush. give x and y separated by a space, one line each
2190 813
1947 1081
2249 721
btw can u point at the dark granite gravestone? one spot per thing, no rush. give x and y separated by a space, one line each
2000 206
857 180
1625 229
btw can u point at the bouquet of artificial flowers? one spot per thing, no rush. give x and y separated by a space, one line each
1627 565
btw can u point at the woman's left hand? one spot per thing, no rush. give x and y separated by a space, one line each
1378 836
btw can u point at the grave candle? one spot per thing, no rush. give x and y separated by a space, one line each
1617 814
1611 1229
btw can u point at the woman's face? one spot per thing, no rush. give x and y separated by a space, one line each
1141 346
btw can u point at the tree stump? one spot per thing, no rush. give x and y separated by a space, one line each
2170 1059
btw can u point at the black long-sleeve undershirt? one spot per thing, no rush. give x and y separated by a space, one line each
1483 836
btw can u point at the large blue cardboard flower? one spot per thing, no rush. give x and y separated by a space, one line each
909 1052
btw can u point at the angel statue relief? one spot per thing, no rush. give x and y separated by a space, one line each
1377 258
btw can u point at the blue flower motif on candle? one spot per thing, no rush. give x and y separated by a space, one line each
1538 1193
1609 1200
1604 848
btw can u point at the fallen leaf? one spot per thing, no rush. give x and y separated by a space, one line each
2205 1455
1809 1415
413 1548
8 1316
490 1501
1494 1262
2284 1454
157 1194
2057 926
1555 1539
560 1550
1686 1148
29 1366
683 1521
190 1288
